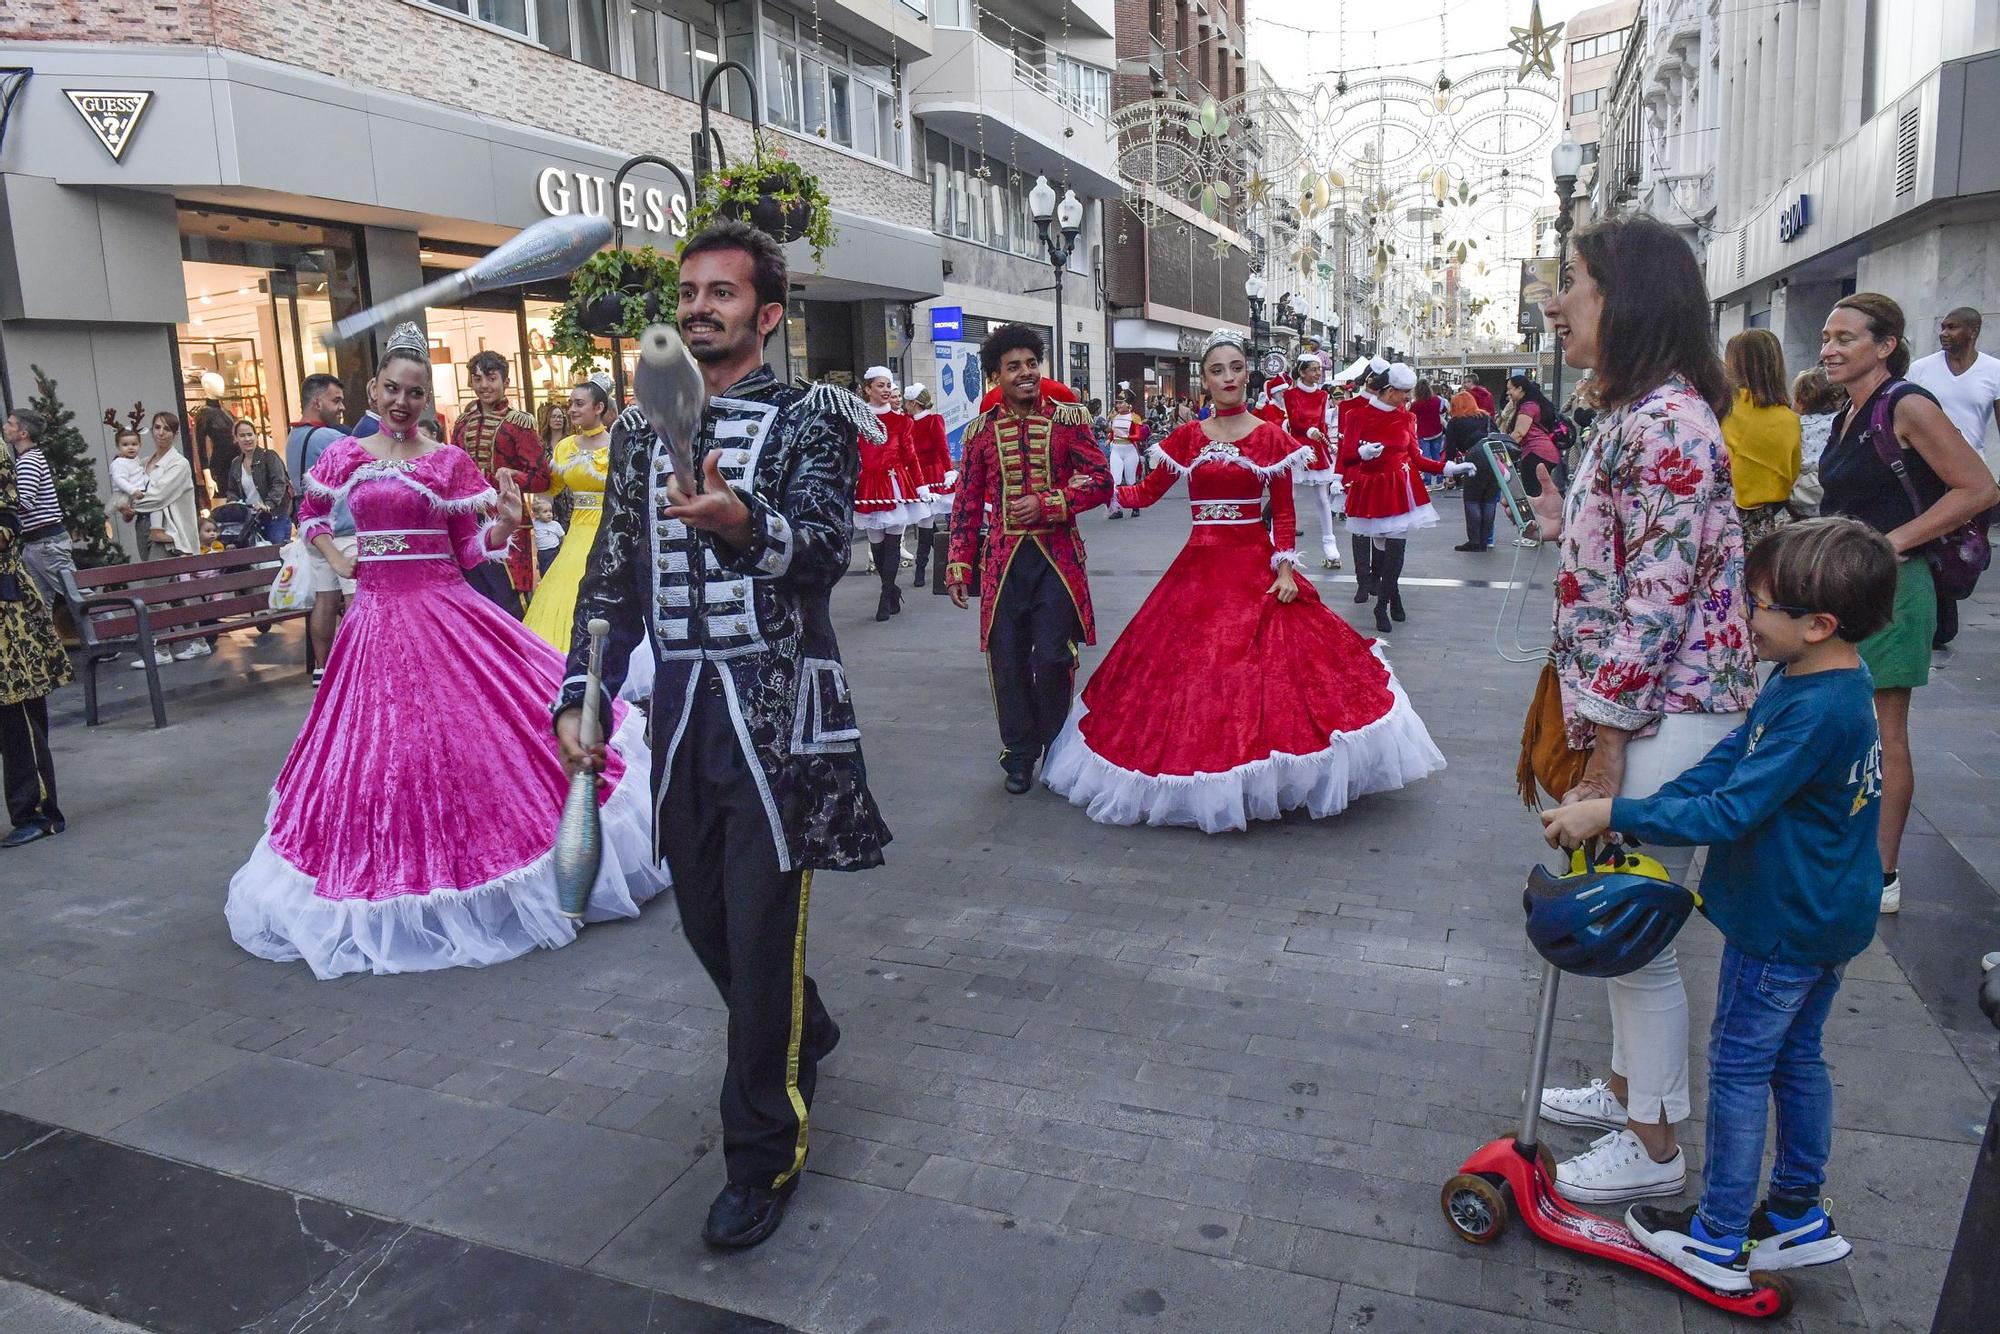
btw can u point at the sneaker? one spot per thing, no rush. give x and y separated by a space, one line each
160 659
1526 542
1592 1105
1617 1168
319 674
1892 892
1785 1242
1989 961
1679 1237
197 648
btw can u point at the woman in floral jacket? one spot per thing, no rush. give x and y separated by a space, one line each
1652 643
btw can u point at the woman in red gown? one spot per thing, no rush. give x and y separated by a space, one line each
936 480
1234 694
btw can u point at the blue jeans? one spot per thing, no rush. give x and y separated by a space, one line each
277 529
1433 448
1766 1039
1479 518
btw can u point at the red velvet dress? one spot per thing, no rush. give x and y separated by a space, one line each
885 494
1385 495
1220 705
1305 412
931 450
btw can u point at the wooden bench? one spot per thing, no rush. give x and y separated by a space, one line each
143 608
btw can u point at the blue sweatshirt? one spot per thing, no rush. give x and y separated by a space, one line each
1787 804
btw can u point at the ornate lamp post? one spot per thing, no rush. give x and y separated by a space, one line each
1253 288
1565 161
1059 224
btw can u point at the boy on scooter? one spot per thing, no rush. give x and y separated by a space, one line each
1787 806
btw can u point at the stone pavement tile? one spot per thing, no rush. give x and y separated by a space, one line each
778 1280
942 1178
552 1189
115 1081
1897 1285
1892 1189
397 1146
1380 1312
1135 1286
29 1310
971 1257
245 1114
33 1038
1871 1092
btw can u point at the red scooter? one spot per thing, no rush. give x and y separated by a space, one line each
1521 1167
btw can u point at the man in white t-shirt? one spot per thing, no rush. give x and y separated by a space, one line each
1966 384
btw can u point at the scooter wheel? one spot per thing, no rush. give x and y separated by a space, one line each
1779 1288
1475 1208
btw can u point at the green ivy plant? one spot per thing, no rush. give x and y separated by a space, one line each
632 275
733 189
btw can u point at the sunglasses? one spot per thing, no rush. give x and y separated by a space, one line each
1757 604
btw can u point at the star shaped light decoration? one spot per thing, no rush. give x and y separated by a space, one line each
1257 189
1220 247
1536 44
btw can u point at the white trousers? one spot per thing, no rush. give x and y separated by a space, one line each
1124 469
1649 1008
1329 541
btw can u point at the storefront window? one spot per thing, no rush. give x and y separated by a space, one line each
259 292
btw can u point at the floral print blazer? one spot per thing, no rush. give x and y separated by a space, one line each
1649 614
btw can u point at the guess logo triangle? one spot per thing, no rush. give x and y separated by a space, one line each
113 116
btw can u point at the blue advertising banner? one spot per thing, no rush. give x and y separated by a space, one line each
959 387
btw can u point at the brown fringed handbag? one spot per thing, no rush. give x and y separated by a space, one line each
1546 757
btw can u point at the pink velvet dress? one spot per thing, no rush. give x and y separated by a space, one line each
413 823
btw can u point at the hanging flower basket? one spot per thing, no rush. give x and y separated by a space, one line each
773 194
613 294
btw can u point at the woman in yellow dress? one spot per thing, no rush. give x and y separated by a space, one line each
579 465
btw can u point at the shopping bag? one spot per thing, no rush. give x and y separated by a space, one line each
292 590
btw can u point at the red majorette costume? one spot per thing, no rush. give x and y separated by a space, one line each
1306 421
1127 431
496 440
885 494
1053 391
930 451
1386 499
1034 603
1219 704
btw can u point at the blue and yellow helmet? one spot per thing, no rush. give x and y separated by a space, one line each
1607 919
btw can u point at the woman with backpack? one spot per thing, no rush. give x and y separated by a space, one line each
1894 461
1535 421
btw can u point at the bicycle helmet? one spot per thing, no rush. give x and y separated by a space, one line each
1608 919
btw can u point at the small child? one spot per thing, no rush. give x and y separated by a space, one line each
211 536
128 475
1787 804
548 534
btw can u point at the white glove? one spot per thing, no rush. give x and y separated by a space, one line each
951 477
1459 469
1314 433
1369 451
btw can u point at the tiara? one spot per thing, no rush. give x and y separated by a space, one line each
407 337
602 380
1232 337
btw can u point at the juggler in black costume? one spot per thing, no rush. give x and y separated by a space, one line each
756 750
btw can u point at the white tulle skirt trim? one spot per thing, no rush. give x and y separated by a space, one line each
638 687
1392 752
1396 525
883 522
274 914
1319 476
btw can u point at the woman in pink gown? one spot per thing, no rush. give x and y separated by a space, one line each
1235 694
412 825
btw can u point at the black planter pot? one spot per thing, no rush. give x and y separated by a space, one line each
601 314
783 221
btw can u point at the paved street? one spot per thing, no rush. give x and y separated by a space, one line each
1093 1079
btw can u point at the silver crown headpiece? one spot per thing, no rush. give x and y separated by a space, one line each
1233 337
407 337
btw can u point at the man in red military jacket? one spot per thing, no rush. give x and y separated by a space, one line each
1036 465
499 436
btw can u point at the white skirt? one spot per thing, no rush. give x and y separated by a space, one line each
1396 525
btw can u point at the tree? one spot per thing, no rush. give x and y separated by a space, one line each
75 474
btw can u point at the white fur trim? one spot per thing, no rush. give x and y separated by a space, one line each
1291 558
1392 752
1396 525
1216 451
274 914
380 471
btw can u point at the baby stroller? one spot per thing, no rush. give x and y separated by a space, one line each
237 525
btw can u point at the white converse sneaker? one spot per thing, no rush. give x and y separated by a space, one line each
1617 1168
1592 1105
1892 895
161 658
197 648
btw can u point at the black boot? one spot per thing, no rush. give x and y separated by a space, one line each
1363 553
924 536
1382 623
742 1216
1020 767
887 559
1389 575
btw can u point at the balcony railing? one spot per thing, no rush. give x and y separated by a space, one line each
1038 77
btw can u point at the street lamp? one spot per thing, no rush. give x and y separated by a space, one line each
1060 240
1565 161
1253 288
